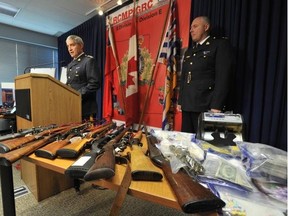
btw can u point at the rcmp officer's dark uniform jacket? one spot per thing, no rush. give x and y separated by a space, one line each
206 76
83 76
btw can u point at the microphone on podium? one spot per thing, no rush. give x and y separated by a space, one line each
43 64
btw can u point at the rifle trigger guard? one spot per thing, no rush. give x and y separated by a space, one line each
123 159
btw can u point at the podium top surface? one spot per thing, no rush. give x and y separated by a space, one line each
46 76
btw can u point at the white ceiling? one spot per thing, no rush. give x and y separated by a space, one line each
53 17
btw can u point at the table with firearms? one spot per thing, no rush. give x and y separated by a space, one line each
159 192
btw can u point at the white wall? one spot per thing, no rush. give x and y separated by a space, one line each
26 36
22 49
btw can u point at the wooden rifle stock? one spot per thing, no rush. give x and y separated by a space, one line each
191 195
12 156
104 166
49 151
72 150
141 166
11 144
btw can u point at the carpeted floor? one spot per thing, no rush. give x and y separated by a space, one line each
91 201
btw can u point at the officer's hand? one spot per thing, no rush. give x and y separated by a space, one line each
179 108
215 111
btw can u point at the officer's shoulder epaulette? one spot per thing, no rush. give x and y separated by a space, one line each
215 38
89 56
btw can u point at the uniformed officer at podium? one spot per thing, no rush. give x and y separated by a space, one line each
83 76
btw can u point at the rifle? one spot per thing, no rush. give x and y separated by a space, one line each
81 166
11 144
97 145
24 132
141 166
104 165
10 157
73 150
49 151
192 196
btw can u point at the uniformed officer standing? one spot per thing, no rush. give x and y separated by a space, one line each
206 75
83 76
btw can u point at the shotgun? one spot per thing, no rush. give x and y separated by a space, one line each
191 195
11 144
81 166
141 166
104 165
73 150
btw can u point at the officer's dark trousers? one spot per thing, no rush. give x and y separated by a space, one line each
190 121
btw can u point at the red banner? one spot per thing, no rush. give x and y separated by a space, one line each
110 67
151 21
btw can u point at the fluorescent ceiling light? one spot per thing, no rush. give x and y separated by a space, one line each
8 9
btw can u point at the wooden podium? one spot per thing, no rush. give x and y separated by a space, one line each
42 100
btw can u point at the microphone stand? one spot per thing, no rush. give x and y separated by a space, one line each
44 64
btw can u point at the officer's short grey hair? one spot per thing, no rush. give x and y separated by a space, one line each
76 39
206 19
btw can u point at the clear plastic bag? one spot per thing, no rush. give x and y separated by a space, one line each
225 172
264 162
247 203
181 150
185 140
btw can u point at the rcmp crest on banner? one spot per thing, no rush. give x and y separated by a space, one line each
145 64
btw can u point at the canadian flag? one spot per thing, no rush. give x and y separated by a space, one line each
132 102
